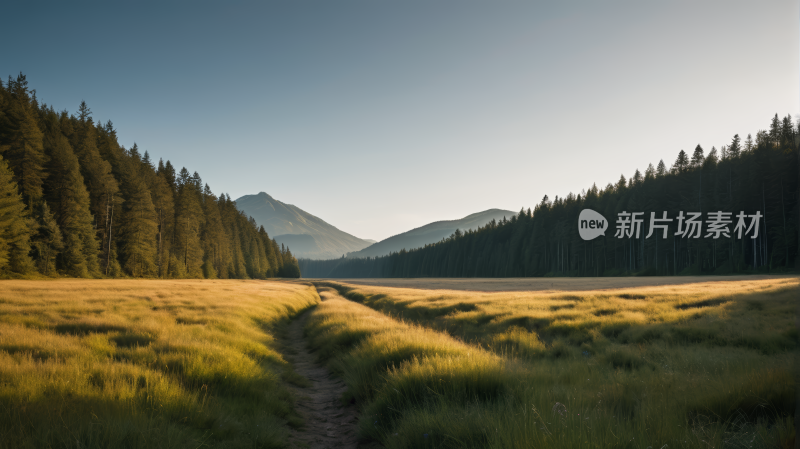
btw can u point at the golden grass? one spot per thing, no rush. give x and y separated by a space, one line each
116 363
548 283
696 365
757 314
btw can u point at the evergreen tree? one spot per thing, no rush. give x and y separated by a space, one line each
620 187
270 250
188 222
138 223
762 139
107 146
775 131
169 175
215 241
238 266
15 225
650 172
735 148
681 163
748 144
712 158
46 241
164 205
21 139
698 156
787 131
290 268
102 186
636 179
661 170
67 194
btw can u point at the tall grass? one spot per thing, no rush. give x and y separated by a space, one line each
758 315
145 363
704 365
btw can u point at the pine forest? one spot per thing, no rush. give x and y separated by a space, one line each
74 202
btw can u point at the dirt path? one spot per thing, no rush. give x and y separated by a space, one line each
329 423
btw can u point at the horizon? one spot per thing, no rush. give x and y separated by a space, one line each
341 111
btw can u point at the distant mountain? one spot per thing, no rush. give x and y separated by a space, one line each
430 233
306 236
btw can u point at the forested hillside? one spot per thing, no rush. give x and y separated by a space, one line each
429 233
74 202
752 175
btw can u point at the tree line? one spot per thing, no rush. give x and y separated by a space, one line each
74 202
759 176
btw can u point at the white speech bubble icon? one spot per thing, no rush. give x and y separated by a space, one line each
591 224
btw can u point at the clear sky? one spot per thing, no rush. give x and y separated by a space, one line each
381 116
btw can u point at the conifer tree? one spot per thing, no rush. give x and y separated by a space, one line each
681 163
46 241
15 225
215 241
698 156
723 153
735 147
712 158
138 224
775 130
787 131
102 186
290 268
650 172
163 203
748 144
21 139
69 199
107 146
619 187
188 222
238 265
635 179
762 139
270 249
169 175
661 169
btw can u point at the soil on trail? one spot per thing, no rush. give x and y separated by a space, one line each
328 422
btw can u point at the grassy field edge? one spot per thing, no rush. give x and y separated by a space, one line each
743 394
146 363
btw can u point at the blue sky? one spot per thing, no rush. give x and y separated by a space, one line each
383 116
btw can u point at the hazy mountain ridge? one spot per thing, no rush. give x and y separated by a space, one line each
430 233
306 235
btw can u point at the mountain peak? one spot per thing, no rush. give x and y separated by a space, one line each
306 235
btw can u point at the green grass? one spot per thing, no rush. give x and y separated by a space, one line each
699 365
139 363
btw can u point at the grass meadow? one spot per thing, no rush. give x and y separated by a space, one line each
703 365
89 364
